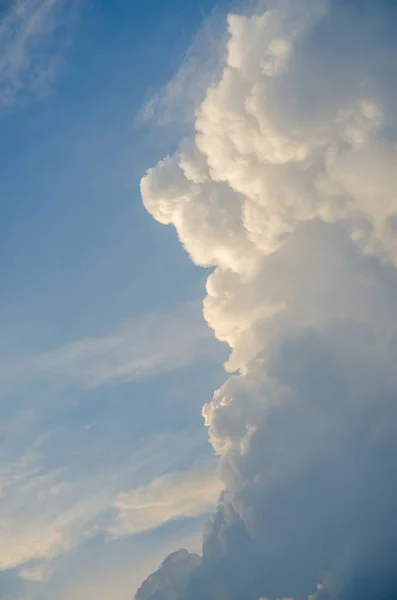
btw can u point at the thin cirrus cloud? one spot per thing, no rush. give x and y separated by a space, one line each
79 507
171 105
30 534
170 497
135 349
288 190
33 36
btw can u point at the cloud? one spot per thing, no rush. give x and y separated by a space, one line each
30 534
33 34
174 571
172 104
80 506
37 572
288 191
172 496
118 570
156 344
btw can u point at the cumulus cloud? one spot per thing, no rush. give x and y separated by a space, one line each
174 572
288 192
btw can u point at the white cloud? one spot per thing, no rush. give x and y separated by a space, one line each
172 496
33 34
288 189
255 157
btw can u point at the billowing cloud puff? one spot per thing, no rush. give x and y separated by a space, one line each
289 192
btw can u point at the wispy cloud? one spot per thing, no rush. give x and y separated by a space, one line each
176 495
33 36
171 104
46 512
156 344
27 531
37 572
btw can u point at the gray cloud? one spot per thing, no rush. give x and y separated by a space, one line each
288 190
174 574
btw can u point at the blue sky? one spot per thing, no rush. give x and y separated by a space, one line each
100 320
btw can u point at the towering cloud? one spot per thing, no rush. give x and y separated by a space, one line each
289 192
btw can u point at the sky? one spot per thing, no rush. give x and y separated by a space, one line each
212 402
101 336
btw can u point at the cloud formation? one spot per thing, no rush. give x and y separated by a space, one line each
172 496
156 344
33 34
288 191
46 512
174 573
